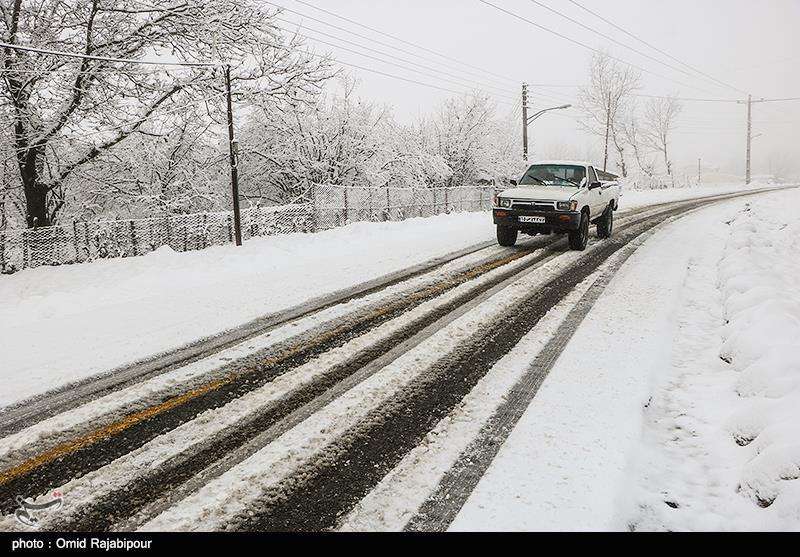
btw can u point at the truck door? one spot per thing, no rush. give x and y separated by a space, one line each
597 202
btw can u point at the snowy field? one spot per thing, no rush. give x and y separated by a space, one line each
675 406
61 324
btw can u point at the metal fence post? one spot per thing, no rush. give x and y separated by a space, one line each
314 214
346 215
75 241
25 255
86 240
133 239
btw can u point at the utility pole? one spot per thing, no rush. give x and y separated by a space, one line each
698 172
605 151
749 102
525 122
749 137
237 223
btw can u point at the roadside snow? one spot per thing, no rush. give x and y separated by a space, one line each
632 199
722 442
614 429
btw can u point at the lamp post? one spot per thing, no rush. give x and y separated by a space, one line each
530 119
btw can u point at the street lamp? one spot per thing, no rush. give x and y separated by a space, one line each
535 116
529 119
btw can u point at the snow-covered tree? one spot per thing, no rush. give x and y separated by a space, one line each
660 115
67 114
337 139
604 101
473 144
632 134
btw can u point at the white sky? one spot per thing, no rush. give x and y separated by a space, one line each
747 44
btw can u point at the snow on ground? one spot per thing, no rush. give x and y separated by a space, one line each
722 440
637 423
61 324
631 199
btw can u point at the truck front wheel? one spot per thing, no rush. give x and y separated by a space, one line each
506 236
579 237
606 222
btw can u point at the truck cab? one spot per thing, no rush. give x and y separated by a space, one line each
557 197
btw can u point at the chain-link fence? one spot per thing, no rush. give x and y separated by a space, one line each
338 205
329 207
78 242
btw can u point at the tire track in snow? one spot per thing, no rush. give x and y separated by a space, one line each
109 448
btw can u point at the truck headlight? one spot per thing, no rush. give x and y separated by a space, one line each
567 205
505 202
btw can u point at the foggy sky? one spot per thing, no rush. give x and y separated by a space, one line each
747 44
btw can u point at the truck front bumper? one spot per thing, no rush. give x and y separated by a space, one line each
554 221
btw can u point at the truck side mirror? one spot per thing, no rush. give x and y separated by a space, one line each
513 182
595 185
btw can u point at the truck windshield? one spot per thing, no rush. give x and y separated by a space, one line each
553 175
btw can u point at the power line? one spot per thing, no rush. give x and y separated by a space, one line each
694 99
106 58
461 79
583 45
460 84
779 100
687 99
401 78
610 38
615 26
365 37
404 41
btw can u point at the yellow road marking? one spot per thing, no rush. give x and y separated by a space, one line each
114 428
103 433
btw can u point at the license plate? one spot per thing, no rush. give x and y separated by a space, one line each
532 220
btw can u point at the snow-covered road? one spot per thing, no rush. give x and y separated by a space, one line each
371 413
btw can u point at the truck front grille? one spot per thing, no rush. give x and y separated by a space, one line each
534 205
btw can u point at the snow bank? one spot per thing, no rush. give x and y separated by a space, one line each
720 448
760 283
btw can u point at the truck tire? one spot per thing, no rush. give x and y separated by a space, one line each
579 237
506 236
606 223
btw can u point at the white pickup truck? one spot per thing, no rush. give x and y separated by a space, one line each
557 197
